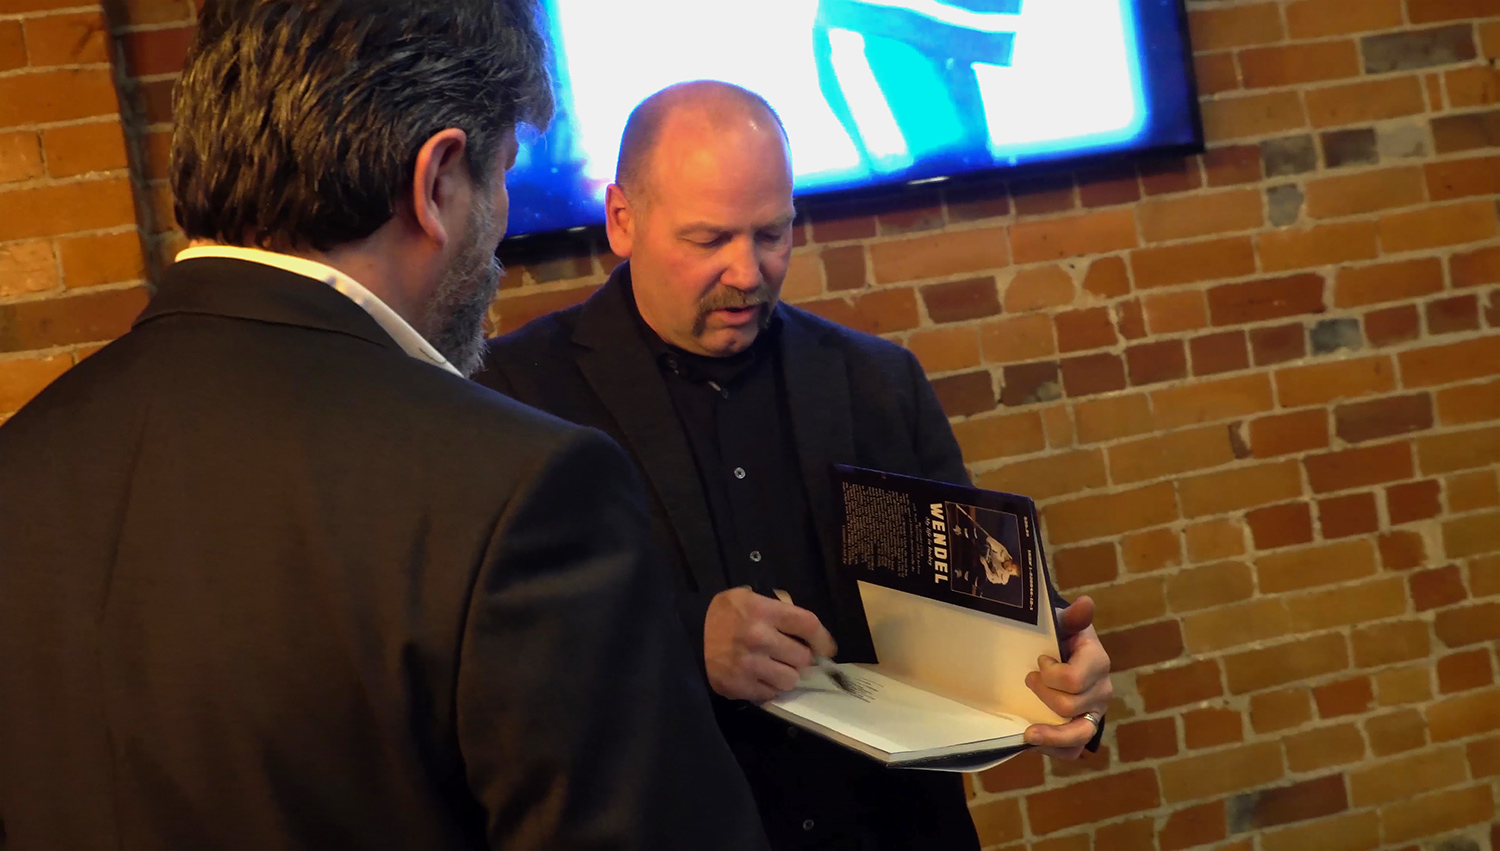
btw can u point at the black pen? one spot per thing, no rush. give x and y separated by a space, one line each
823 663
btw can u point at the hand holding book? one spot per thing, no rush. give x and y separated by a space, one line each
1074 687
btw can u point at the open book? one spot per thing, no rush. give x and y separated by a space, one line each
960 605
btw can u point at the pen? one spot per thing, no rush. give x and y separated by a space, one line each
823 663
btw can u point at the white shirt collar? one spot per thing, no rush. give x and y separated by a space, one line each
406 337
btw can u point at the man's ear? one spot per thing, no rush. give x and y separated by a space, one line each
619 221
442 187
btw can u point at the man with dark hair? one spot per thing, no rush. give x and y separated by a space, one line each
275 575
734 407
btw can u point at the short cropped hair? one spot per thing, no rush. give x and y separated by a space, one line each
298 122
643 127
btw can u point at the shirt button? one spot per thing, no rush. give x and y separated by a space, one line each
807 824
755 555
739 472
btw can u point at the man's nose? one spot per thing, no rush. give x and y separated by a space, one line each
743 270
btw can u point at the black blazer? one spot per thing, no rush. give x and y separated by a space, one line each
853 399
268 582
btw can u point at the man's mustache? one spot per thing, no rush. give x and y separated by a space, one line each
725 298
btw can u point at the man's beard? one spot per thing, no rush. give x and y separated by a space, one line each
464 294
726 297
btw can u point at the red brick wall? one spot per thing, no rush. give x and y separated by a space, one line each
1257 392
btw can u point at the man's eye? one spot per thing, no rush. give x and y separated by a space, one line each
773 236
711 242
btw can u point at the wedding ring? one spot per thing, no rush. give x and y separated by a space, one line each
1093 719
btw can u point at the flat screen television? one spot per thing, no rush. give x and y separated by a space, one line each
873 93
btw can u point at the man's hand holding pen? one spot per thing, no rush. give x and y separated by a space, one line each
756 646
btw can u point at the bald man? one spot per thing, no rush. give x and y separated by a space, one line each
734 406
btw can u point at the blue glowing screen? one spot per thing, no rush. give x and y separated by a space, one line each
872 92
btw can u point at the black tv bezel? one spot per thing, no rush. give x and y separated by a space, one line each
564 241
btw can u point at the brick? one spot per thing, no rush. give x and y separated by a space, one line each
1211 585
1107 186
20 157
21 380
1017 338
71 39
1294 64
1193 827
1207 401
1464 671
1353 468
82 148
1472 535
1406 776
1245 487
1315 566
1149 644
157 51
1450 179
51 96
1233 165
1387 643
957 301
1074 842
1272 298
1469 404
1153 549
1396 732
1152 363
1052 193
1169 454
1474 86
1468 624
1210 775
66 208
1429 11
1408 685
68 321
939 255
1455 133
1344 516
1321 18
844 267
1343 148
91 261
1431 589
1214 539
1475 268
1353 832
1484 576
881 312
1074 236
13 47
1363 285
1366 192
1169 313
967 202
1278 344
1191 262
1344 697
1402 550
1283 525
1320 383
1308 799
946 349
1093 800
1206 728
998 821
1049 476
1412 501
1413 49
1453 315
1432 227
1484 757
1038 289
1107 277
1079 330
1113 418
1259 114
1201 215
1435 814
1136 835
1450 363
1130 320
1091 374
999 436
1364 102
1079 567
1393 325
965 394
1470 491
1028 383
27 267
1216 73
1215 29
1464 715
1021 772
1150 739
1224 351
1286 250
1361 421
1164 176
1380 598
1300 659
1285 434
1110 514
1459 450
1236 625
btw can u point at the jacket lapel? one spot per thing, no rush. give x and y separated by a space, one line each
619 368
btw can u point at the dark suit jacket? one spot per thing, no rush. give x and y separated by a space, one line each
268 582
853 398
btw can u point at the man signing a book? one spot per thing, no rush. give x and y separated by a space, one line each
734 407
